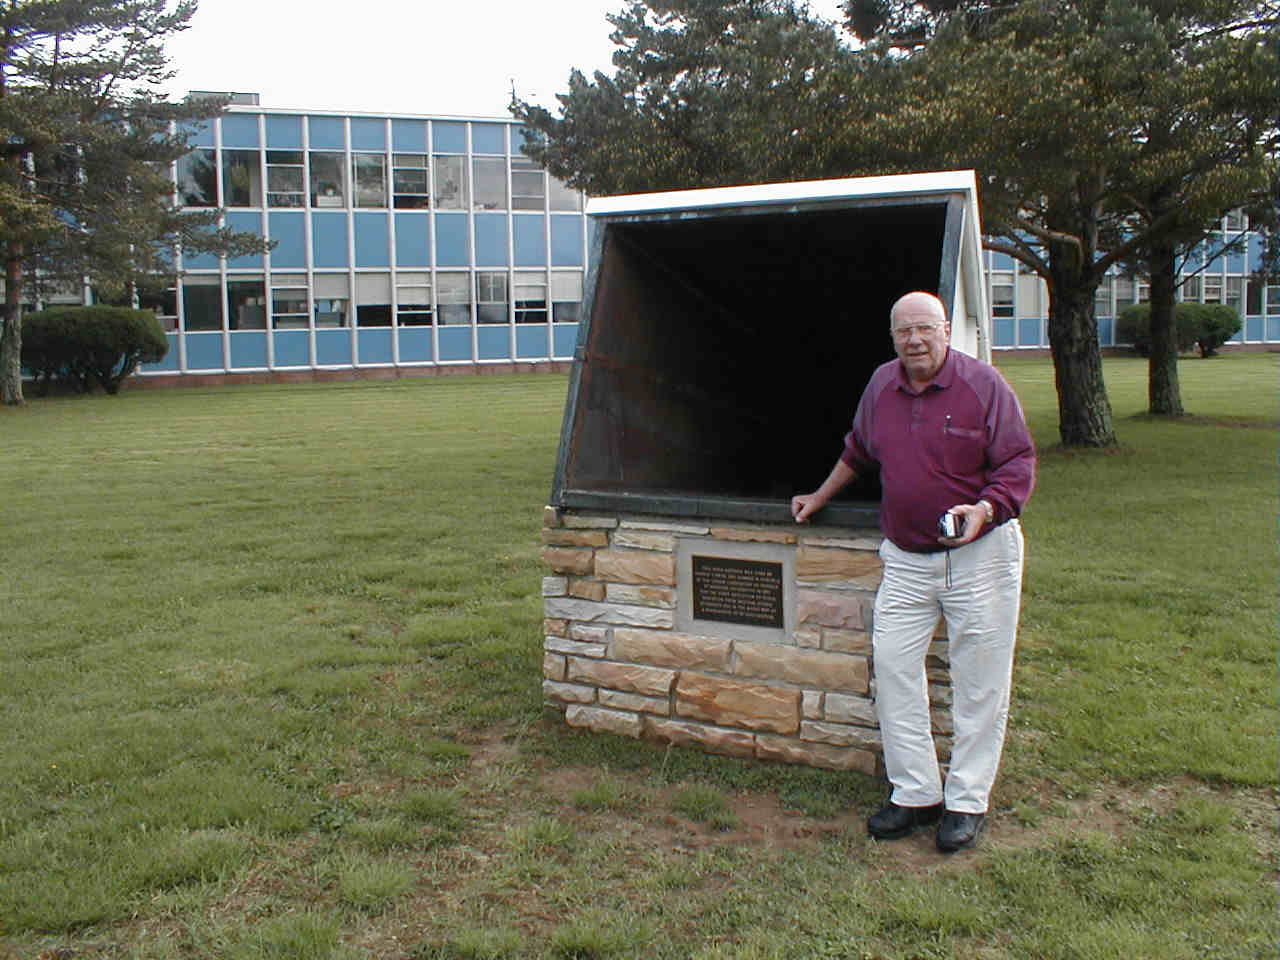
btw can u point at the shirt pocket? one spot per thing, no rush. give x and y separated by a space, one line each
964 449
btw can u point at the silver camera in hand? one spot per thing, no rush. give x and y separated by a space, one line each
950 526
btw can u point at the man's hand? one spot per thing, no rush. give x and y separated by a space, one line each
805 505
973 517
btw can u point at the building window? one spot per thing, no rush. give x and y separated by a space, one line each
528 185
201 303
332 296
566 297
1253 292
1124 293
413 299
1273 301
285 178
328 185
1102 298
489 186
1235 294
248 301
564 197
453 298
491 297
1002 299
451 183
1234 220
289 301
373 299
1212 289
1144 292
197 179
369 171
241 178
51 292
531 297
1189 289
162 301
409 187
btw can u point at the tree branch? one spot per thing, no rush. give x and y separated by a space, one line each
1022 252
1047 235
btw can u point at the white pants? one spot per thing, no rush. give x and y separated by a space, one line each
977 588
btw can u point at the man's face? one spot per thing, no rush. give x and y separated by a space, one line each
920 337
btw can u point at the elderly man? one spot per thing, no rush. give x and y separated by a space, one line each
949 438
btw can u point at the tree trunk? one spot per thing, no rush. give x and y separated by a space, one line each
1164 395
1084 412
11 331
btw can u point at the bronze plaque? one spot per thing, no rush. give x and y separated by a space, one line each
733 590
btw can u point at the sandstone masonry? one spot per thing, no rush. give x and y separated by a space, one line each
615 661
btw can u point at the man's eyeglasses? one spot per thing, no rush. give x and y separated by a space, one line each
922 330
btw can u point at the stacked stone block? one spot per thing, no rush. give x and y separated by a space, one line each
614 660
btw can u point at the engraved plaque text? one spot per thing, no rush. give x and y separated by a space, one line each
734 590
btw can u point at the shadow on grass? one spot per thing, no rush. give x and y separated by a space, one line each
812 791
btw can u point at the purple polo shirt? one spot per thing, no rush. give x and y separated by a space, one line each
961 440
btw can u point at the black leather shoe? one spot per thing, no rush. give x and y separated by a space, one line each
959 831
892 821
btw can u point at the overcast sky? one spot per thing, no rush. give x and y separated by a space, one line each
442 57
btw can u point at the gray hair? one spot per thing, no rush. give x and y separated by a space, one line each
921 297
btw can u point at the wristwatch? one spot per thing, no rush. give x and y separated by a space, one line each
991 511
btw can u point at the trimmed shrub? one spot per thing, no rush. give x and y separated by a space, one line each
1215 324
84 344
1204 325
47 346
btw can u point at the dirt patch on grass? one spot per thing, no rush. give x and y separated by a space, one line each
500 869
758 819
493 752
646 813
763 822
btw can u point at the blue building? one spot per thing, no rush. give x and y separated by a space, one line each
399 242
1020 299
405 242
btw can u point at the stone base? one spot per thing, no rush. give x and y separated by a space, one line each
615 659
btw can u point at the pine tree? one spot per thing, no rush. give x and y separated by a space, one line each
1054 102
86 143
1104 133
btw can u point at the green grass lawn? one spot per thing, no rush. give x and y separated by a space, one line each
270 686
